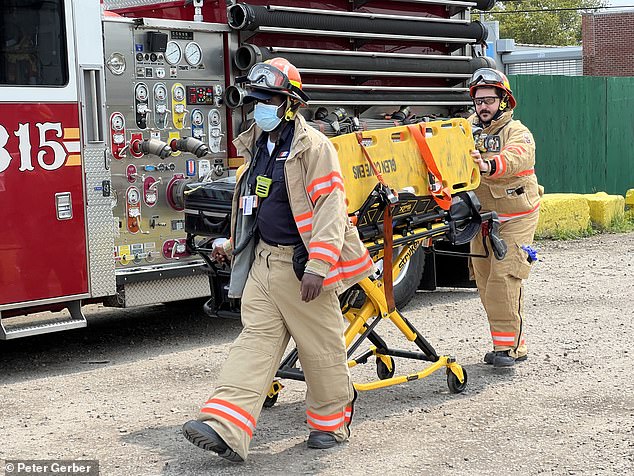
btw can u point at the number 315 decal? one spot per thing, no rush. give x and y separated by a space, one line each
51 152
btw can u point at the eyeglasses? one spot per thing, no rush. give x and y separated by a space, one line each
488 100
265 75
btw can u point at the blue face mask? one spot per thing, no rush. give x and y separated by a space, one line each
265 116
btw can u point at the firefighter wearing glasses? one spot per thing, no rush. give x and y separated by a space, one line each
506 157
293 249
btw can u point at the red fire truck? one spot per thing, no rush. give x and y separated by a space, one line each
108 110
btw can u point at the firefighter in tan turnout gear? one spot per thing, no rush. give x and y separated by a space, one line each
293 249
506 158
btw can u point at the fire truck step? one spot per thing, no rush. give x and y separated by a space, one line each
23 326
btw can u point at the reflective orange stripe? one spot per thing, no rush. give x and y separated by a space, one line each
323 251
232 419
503 338
500 161
325 185
525 173
518 149
509 216
328 422
304 222
348 269
230 412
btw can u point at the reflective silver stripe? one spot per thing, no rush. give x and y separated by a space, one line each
337 422
329 183
233 413
324 251
504 338
305 222
346 269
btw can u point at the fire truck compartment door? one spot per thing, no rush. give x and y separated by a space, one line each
43 240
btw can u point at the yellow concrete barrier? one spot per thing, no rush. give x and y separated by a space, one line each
605 209
562 213
629 199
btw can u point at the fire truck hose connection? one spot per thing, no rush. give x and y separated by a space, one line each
191 145
234 96
151 146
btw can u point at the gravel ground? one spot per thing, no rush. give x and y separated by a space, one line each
119 390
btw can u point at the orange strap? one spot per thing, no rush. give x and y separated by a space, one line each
379 177
441 195
388 241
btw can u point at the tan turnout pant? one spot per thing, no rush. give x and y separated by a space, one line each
272 312
500 284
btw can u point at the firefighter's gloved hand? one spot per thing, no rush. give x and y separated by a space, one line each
311 286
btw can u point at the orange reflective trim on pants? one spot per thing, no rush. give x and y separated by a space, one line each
230 412
327 422
503 338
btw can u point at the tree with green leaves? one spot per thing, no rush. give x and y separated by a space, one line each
542 22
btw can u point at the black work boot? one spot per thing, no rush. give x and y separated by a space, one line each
490 356
321 440
205 437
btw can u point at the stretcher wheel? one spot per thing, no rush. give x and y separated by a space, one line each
270 401
381 369
454 384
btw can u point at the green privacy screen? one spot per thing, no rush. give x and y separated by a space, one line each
583 128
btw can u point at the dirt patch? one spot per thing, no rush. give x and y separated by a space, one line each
120 390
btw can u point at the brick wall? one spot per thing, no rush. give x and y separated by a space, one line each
608 44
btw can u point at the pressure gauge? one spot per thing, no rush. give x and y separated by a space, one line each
133 196
214 117
117 122
193 53
160 92
179 93
197 117
173 53
141 92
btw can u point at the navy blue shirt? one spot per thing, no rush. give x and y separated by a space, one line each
275 222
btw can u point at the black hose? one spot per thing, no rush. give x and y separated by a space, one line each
247 55
242 16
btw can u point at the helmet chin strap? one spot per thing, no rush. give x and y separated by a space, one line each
291 109
504 103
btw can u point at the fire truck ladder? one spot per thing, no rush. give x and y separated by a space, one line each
23 326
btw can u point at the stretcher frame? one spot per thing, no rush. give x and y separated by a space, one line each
363 320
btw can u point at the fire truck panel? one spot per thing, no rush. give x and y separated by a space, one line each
171 87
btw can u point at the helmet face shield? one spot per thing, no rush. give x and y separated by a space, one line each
490 77
273 76
487 76
266 76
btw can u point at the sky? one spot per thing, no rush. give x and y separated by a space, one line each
618 3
